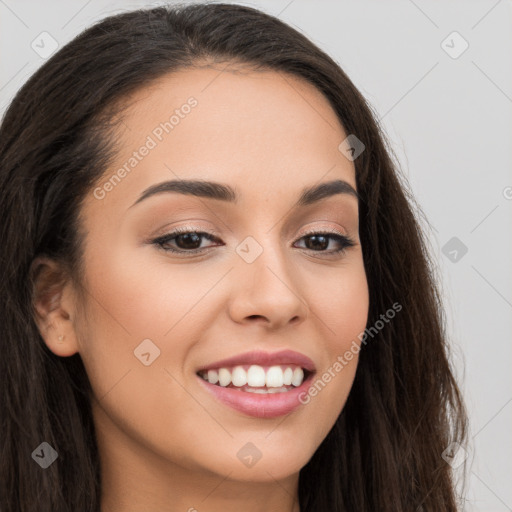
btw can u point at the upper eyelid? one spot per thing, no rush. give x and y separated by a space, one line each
311 228
204 231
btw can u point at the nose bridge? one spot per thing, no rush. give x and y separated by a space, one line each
267 286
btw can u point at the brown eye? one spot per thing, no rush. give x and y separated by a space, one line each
319 242
183 241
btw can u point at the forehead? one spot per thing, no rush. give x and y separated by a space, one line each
265 132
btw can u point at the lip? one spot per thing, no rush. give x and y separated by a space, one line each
270 405
264 359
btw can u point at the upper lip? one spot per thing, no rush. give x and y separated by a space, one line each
264 359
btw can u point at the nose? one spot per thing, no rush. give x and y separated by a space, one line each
267 291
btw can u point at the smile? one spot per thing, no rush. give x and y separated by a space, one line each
261 401
255 378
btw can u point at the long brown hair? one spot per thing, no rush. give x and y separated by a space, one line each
384 452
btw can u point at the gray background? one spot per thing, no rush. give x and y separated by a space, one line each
449 121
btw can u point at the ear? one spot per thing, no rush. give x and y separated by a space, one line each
54 306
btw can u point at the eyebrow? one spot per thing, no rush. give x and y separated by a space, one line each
224 192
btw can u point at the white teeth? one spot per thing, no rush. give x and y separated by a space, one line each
298 377
224 377
274 378
213 376
287 376
256 376
263 391
239 376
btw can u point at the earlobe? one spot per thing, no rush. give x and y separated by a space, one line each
53 306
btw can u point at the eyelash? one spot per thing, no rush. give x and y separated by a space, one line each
161 241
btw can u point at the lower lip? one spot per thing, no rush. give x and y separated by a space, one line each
270 405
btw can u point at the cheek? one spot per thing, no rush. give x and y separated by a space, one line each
143 297
340 308
130 309
138 306
340 304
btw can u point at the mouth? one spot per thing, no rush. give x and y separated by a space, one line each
256 378
259 384
263 401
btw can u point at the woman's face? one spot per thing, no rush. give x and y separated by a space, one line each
152 318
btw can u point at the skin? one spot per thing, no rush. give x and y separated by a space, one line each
165 443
